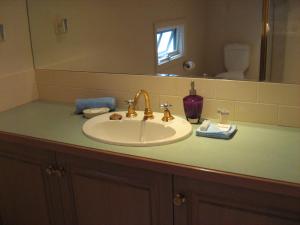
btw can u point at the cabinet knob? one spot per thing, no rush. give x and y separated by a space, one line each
179 199
49 170
60 172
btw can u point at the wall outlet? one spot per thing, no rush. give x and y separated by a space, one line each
2 33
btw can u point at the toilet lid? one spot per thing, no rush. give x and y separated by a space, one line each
231 75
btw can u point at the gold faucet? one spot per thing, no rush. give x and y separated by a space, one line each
148 113
167 114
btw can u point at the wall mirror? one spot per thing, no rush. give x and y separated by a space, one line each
232 39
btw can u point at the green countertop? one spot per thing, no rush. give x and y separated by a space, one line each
265 151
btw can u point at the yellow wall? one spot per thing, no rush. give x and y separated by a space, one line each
106 36
118 36
17 81
292 46
285 41
232 21
247 101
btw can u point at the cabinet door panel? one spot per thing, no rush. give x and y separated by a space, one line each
113 202
109 194
209 203
215 213
24 186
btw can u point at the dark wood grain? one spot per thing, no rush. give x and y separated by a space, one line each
25 189
102 187
210 203
104 193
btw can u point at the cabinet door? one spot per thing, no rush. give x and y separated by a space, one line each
25 189
99 193
205 203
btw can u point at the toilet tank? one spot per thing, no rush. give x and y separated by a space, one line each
236 57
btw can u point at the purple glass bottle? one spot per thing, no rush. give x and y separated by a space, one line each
193 105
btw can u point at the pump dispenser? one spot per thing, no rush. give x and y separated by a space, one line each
193 105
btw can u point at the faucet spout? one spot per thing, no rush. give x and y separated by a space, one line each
148 113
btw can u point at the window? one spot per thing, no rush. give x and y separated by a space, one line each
169 44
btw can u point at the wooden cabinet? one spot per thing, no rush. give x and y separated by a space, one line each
209 203
40 186
26 191
100 193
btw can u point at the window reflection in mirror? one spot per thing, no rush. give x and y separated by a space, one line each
122 37
169 42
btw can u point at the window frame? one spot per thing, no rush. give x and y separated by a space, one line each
178 43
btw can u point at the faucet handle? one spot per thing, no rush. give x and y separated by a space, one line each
167 114
165 106
131 109
129 102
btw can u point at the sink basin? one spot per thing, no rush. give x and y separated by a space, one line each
135 131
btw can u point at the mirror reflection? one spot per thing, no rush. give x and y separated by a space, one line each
226 39
283 41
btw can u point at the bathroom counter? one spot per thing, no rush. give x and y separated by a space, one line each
261 152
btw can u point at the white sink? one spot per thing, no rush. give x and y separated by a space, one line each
135 131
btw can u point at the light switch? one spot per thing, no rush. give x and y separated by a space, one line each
2 33
62 26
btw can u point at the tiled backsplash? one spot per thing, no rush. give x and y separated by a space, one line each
17 89
247 101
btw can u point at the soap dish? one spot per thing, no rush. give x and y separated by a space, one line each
90 113
218 131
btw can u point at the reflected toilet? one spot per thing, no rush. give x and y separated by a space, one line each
236 59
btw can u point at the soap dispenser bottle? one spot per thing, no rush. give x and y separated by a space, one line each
193 105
